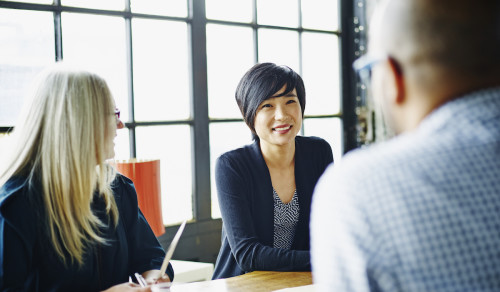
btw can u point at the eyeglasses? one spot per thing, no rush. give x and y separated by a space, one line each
363 66
117 114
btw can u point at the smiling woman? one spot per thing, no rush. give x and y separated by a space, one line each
264 189
262 85
278 119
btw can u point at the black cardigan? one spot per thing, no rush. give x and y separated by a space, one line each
245 195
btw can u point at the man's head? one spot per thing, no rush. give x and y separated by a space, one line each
431 52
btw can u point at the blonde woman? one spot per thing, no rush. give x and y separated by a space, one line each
68 222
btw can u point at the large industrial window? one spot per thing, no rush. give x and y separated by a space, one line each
173 67
301 34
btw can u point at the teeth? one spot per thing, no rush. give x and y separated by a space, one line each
282 128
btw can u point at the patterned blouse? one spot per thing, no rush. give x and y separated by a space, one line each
286 217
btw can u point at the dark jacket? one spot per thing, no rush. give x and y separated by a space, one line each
28 261
245 195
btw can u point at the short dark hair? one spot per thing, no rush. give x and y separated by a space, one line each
261 82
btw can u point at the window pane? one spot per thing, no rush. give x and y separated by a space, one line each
98 43
219 143
161 70
172 145
320 14
229 10
122 144
278 12
26 47
96 4
161 7
230 53
320 71
329 129
280 47
4 142
34 1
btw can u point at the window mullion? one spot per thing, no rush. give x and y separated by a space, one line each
347 74
58 31
130 82
199 112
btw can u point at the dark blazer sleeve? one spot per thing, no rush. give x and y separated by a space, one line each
312 156
323 158
234 184
145 252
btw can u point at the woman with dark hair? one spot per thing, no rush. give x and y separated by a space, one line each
265 188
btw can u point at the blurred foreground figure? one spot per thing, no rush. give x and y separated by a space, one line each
420 212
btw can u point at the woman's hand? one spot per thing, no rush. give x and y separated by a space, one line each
153 276
128 287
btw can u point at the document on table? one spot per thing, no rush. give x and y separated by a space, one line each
306 288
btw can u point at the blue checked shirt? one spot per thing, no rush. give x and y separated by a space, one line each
420 212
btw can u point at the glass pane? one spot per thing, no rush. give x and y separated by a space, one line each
122 144
227 61
161 70
34 1
329 129
278 12
26 47
172 145
4 141
229 10
97 42
219 144
160 7
280 47
320 14
96 4
320 71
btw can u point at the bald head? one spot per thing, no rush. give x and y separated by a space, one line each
458 38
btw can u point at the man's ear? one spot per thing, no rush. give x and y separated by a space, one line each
396 72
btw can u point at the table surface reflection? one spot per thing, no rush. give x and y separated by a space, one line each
254 281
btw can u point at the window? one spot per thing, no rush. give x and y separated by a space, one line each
294 37
27 46
173 67
144 58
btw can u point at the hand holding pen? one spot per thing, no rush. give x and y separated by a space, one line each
155 276
124 287
151 277
140 280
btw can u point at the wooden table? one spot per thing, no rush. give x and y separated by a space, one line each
254 282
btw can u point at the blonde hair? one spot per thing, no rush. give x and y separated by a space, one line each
60 141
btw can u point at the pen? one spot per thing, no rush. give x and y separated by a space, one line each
171 249
140 280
